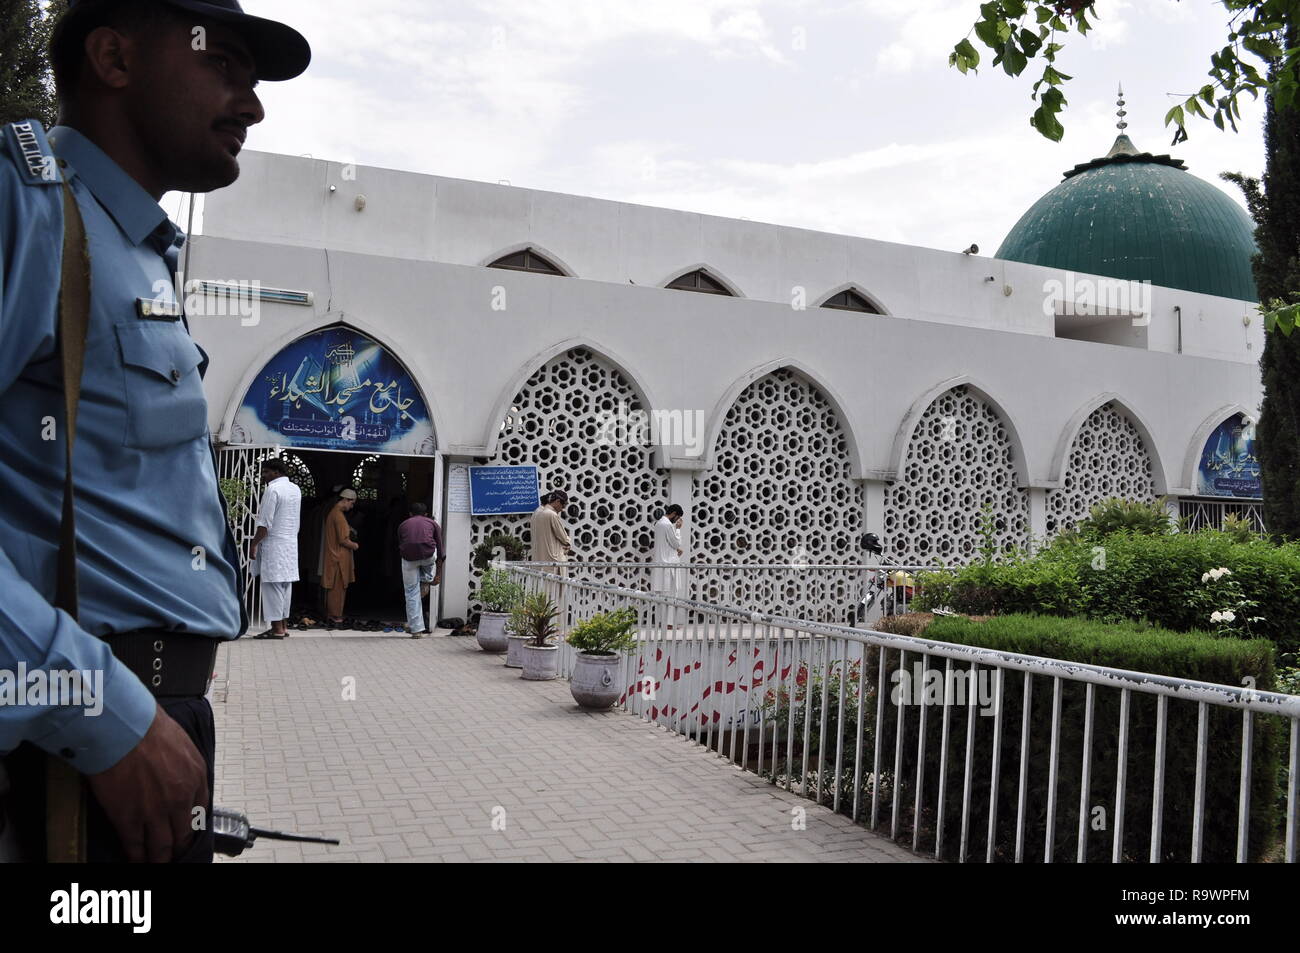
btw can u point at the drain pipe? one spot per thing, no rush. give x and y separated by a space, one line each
1179 311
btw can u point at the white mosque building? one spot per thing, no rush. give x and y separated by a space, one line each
463 344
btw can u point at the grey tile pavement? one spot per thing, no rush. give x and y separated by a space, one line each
408 750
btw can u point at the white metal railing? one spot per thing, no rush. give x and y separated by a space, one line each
792 699
1210 514
822 592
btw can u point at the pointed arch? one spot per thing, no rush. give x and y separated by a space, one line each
1193 455
311 326
732 288
540 250
857 289
1061 457
907 429
492 429
719 416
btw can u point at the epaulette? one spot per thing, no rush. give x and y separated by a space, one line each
30 152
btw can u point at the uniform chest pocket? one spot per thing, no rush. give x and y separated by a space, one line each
165 405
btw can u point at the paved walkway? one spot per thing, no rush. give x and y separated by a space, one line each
441 739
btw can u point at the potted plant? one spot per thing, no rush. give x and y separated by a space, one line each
499 597
537 621
600 642
517 637
485 551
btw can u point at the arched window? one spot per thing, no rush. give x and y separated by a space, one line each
365 478
300 475
699 280
961 459
1108 459
850 300
527 260
781 491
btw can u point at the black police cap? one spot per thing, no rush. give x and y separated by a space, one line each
279 51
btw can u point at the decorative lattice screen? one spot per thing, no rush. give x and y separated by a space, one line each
780 492
1107 459
556 422
961 458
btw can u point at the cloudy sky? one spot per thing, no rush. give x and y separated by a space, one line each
838 115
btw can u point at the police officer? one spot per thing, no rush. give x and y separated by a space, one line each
154 96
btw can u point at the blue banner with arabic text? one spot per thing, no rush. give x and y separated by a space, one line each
1228 466
335 389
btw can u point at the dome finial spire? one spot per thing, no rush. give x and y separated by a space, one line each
1123 144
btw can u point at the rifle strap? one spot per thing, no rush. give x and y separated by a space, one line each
65 796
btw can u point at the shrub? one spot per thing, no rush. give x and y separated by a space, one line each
909 623
1237 528
605 633
497 592
1192 655
534 616
1156 580
1143 517
484 551
792 720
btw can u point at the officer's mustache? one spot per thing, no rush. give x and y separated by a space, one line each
232 125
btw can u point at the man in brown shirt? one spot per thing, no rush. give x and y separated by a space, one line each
550 539
339 571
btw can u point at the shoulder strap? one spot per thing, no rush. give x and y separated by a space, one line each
30 152
74 321
65 802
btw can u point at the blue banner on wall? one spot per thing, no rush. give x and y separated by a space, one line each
496 491
1228 466
335 389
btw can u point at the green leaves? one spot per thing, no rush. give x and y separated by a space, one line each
964 56
1256 58
1044 118
1281 317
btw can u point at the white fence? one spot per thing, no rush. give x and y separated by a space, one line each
966 753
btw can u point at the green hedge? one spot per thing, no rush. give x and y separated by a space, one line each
1150 579
1194 655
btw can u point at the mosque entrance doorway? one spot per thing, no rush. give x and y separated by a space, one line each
385 484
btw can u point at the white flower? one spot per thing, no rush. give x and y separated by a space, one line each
1205 577
1216 574
1216 616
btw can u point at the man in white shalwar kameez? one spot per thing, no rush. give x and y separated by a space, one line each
275 545
669 549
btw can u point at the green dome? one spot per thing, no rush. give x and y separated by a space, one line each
1142 217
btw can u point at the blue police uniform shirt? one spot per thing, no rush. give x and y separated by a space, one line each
154 548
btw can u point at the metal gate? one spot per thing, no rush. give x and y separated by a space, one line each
239 473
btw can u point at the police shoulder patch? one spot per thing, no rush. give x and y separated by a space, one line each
30 152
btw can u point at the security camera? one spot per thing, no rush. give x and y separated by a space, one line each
334 188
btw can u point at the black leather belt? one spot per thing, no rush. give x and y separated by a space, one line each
169 663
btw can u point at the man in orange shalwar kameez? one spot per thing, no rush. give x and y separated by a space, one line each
339 571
